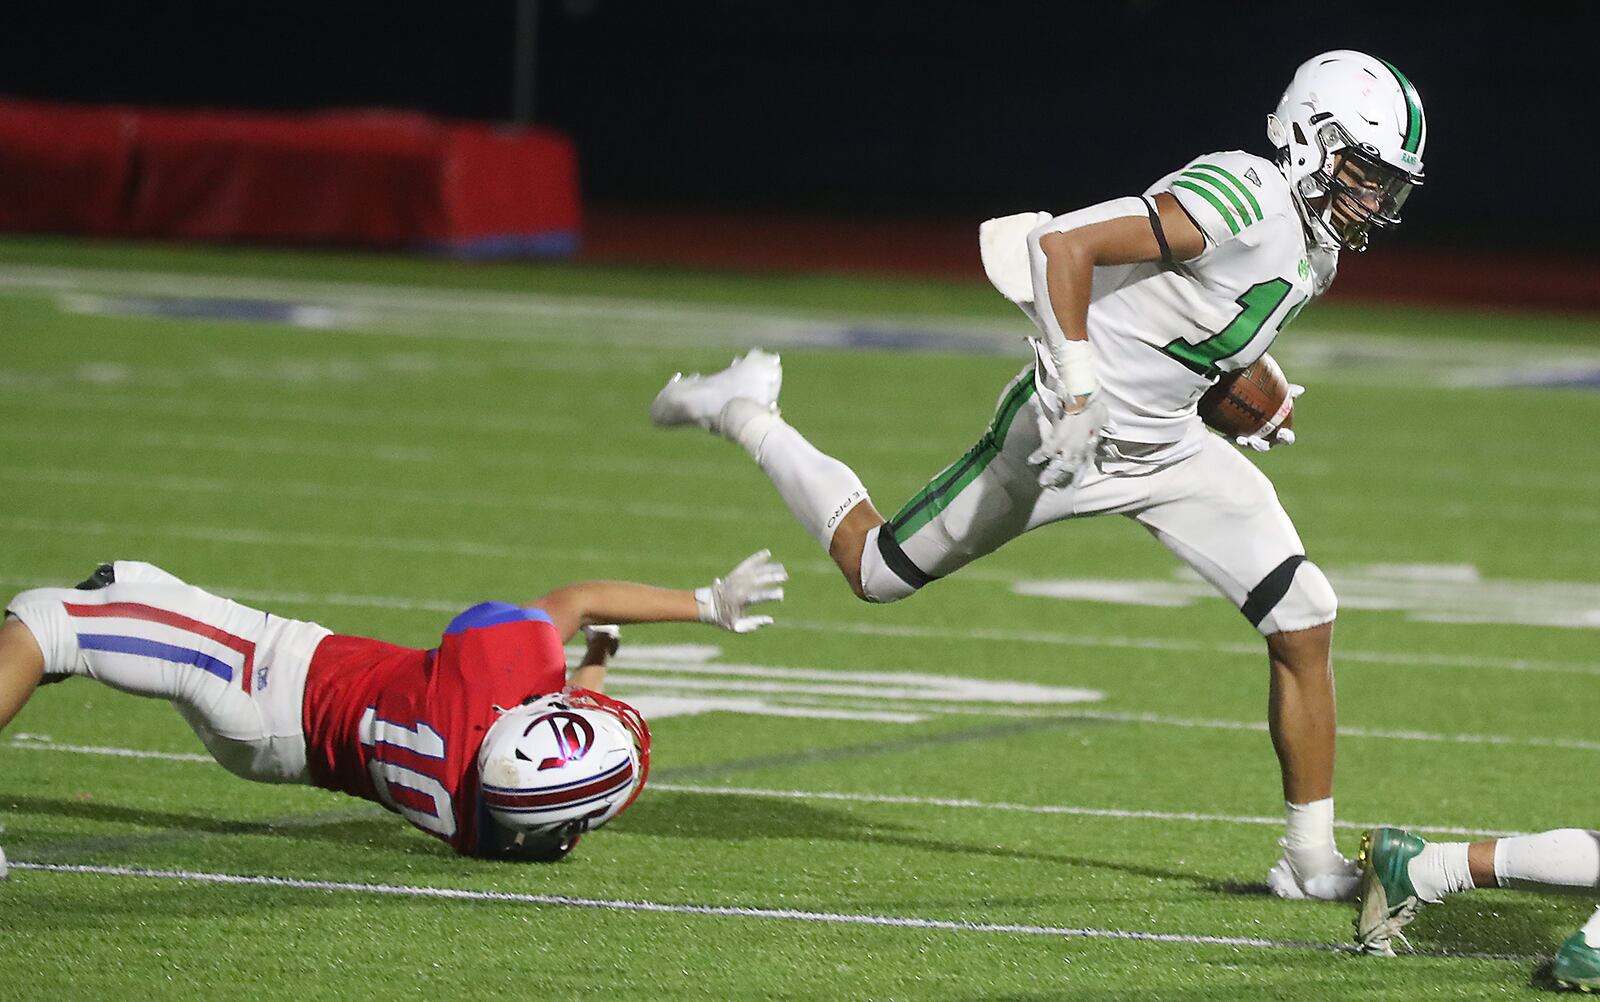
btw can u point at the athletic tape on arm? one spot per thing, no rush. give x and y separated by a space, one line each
1073 360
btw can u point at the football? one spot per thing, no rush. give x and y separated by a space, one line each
1254 401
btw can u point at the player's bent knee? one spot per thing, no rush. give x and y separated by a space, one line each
42 612
1296 595
887 574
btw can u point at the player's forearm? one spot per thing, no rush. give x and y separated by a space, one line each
1063 275
1069 273
1063 254
588 676
588 603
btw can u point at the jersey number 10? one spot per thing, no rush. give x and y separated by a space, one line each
422 798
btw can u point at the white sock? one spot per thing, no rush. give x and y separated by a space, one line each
1309 840
1565 857
1591 929
1439 869
818 489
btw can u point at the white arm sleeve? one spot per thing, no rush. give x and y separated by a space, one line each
1074 362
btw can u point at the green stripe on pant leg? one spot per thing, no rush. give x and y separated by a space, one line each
943 478
934 498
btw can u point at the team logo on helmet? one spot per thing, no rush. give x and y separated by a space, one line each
573 737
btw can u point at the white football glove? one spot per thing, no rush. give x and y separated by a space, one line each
1285 436
758 578
1070 443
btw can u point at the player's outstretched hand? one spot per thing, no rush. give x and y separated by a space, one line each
1070 444
758 578
1285 436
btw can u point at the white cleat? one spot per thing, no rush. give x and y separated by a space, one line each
1336 885
699 399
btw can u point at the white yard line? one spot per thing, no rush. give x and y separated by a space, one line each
1066 639
436 313
27 743
1060 809
514 501
1052 638
490 315
716 911
1214 724
461 461
30 743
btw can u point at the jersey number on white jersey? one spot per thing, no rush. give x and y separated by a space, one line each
1257 306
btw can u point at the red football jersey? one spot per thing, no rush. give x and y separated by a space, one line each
402 726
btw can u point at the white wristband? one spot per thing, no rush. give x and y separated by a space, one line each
705 604
1075 366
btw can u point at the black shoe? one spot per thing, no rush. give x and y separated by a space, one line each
103 575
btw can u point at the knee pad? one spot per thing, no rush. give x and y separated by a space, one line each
1295 596
887 574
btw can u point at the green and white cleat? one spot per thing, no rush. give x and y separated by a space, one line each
1386 901
1577 964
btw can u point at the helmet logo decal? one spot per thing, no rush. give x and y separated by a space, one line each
574 737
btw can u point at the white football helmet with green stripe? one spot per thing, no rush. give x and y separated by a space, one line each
1349 131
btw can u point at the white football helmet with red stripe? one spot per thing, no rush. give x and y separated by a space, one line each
568 762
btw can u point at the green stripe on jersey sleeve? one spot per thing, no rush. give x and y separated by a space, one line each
1225 192
1239 186
1216 203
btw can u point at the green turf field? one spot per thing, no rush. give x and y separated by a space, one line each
985 792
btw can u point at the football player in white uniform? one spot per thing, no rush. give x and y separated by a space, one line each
1140 303
1401 872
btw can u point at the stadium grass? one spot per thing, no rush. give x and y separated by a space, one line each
374 483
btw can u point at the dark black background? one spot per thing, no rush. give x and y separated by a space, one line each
940 110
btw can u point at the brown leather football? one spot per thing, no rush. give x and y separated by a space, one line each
1252 401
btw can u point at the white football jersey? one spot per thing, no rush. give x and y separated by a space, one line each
1162 332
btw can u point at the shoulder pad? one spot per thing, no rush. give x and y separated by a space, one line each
1230 191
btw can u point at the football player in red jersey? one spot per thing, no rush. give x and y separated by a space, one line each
483 741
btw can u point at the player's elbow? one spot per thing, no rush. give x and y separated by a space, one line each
1061 250
566 608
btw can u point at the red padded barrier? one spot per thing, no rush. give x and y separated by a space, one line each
510 191
63 168
336 179
370 178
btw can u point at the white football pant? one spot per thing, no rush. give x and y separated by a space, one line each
1208 504
236 674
